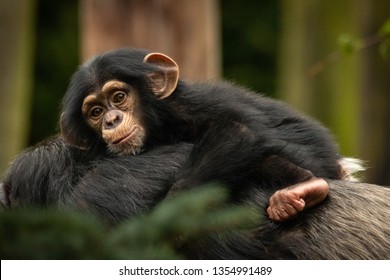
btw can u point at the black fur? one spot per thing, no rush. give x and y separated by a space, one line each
55 174
242 139
352 223
220 119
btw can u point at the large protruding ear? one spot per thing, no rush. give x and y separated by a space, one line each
165 80
71 137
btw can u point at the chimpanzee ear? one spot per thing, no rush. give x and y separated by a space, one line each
71 137
165 80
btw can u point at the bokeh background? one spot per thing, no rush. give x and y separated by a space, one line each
327 58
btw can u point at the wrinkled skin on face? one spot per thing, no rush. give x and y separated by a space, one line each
112 113
111 107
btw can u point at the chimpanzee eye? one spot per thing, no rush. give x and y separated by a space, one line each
119 97
96 112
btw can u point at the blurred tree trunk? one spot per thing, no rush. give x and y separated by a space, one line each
186 30
310 29
16 64
351 94
375 94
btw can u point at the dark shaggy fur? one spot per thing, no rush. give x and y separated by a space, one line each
220 118
352 223
252 144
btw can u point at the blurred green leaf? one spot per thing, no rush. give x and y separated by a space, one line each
54 234
191 215
384 49
50 234
385 29
348 43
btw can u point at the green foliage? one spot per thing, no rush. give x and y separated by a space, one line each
385 29
44 234
384 46
348 43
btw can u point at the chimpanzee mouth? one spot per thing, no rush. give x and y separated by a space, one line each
126 138
130 144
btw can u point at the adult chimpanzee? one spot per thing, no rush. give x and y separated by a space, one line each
131 100
352 223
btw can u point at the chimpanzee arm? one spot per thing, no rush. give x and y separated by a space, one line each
235 155
221 154
230 153
297 188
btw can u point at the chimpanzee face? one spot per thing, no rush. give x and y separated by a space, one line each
113 110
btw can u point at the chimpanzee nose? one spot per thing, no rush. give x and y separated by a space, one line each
112 119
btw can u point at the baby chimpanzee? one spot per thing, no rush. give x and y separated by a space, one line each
129 100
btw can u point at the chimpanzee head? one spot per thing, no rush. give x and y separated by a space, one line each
111 98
